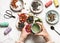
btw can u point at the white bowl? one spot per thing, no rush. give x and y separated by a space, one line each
56 17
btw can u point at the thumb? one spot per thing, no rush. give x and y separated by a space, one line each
39 23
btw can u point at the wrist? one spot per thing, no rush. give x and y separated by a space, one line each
47 38
50 42
22 37
19 42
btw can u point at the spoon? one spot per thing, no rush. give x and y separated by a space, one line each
52 28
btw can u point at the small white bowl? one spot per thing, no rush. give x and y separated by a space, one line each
19 8
40 7
56 17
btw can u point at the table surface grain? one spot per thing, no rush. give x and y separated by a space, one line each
14 34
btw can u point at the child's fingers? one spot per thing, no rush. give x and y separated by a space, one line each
39 23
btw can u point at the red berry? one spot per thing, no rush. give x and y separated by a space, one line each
28 28
22 17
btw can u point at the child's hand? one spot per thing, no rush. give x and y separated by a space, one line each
23 35
43 32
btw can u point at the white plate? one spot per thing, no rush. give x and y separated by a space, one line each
40 7
56 17
19 8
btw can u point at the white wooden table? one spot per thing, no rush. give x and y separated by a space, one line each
14 34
